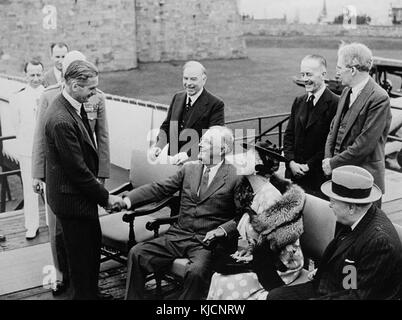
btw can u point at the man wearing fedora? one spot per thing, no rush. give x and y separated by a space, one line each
364 260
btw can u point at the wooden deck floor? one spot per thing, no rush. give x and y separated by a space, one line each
113 276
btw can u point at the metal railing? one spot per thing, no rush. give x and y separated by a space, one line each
268 132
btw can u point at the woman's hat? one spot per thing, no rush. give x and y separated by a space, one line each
263 148
351 184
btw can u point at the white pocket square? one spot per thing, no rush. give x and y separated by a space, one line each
349 261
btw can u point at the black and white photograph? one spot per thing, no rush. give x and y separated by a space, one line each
200 154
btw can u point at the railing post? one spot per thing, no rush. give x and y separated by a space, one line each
259 126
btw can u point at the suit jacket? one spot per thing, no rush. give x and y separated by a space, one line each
97 120
197 216
49 78
365 134
208 111
304 142
374 250
25 103
71 164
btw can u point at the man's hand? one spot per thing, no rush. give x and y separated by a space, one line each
37 186
154 152
179 158
298 170
243 255
326 167
213 234
115 203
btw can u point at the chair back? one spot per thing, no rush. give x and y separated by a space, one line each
144 171
319 226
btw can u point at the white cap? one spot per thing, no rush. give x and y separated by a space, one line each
70 57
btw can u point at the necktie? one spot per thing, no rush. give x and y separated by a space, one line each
188 105
84 118
204 182
346 105
310 106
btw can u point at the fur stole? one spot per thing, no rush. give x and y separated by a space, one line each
280 224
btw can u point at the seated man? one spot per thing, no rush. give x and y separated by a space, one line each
208 210
364 260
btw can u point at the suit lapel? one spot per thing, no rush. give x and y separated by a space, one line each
357 105
303 113
195 180
217 182
320 107
354 235
178 106
198 109
341 103
78 120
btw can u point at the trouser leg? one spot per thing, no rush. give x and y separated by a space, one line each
143 259
82 240
31 200
198 274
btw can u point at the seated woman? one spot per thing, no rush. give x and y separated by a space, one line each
271 227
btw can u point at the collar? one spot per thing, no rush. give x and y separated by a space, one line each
57 74
75 104
213 170
35 91
353 226
194 98
356 89
317 95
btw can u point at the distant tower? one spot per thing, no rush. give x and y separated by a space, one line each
322 18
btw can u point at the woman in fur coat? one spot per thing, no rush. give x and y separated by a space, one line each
269 232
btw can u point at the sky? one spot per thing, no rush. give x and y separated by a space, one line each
309 10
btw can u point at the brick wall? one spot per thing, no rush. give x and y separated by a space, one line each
188 29
104 30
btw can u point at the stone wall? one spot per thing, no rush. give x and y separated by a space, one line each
188 29
104 30
265 27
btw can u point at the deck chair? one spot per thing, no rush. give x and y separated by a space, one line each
121 231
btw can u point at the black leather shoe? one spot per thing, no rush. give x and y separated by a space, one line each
104 296
59 288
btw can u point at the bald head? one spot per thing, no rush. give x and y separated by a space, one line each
194 77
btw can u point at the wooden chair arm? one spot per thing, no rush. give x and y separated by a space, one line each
156 223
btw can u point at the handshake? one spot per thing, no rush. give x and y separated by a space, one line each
115 204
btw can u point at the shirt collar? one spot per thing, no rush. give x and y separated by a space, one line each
75 104
317 95
57 74
194 97
359 87
357 222
213 168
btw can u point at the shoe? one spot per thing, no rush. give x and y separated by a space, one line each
59 288
31 234
104 296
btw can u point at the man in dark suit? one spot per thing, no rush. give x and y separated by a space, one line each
190 111
308 126
208 210
73 192
364 260
360 127
57 53
96 111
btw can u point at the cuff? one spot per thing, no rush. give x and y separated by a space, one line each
224 231
127 201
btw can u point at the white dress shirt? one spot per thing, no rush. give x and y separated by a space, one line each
317 95
357 89
57 74
74 103
194 98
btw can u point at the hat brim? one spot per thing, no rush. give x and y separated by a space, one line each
270 153
375 194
